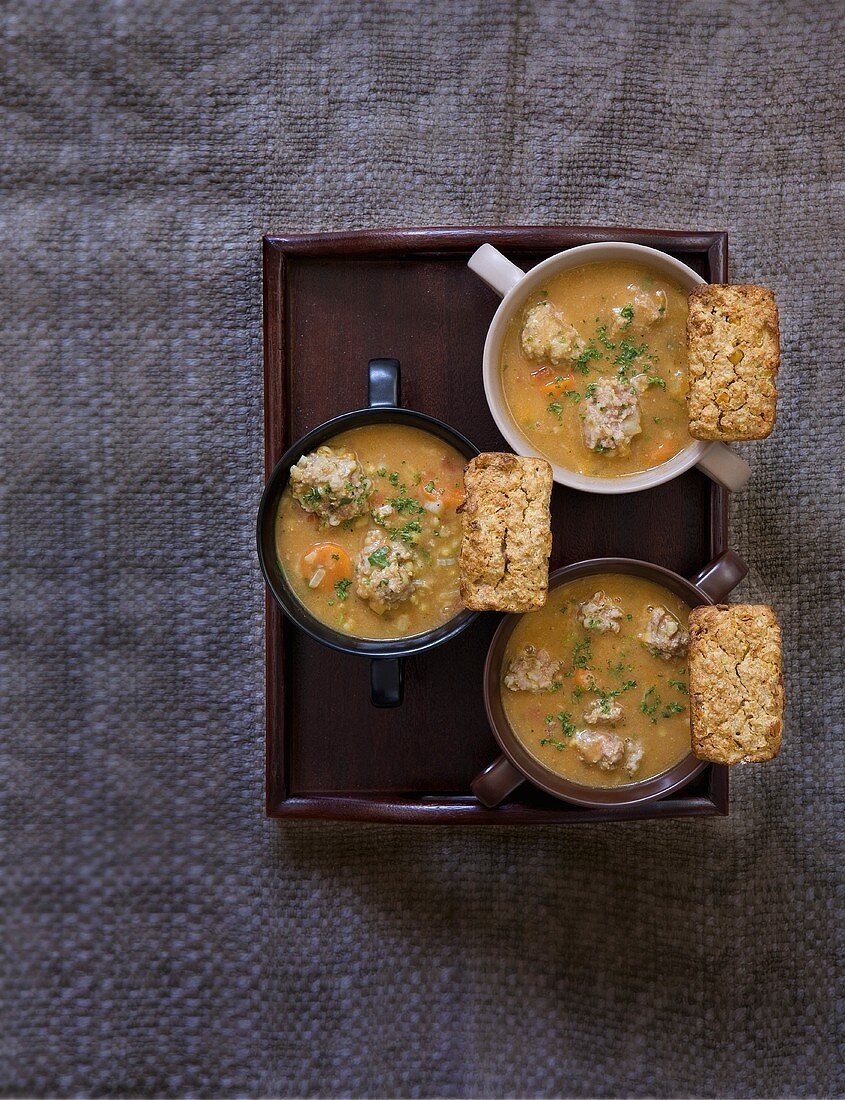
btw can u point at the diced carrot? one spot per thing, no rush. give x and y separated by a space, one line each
583 678
561 383
325 563
433 489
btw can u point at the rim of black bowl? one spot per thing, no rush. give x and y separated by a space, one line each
266 537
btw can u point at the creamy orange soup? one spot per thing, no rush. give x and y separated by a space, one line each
377 554
596 326
601 706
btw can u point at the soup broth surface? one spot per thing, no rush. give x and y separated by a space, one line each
627 323
632 695
411 511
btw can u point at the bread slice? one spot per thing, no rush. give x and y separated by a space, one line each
733 346
735 683
507 535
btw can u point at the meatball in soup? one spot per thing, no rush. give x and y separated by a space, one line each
368 534
594 369
595 684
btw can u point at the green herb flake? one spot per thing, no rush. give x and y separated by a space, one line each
672 708
587 356
653 380
342 588
680 685
394 479
556 408
379 558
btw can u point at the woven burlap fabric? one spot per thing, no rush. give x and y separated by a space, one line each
161 937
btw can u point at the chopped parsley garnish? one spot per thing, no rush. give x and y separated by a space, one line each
406 506
556 408
650 703
335 557
430 487
627 314
406 533
394 479
382 471
600 449
342 588
672 708
607 344
628 352
680 685
587 356
591 389
657 419
566 726
379 558
313 496
573 395
653 380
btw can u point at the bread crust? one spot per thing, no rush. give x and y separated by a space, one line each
506 533
735 683
733 348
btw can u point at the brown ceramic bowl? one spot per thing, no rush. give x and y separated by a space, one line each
494 784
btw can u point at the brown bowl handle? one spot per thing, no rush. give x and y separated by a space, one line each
496 782
720 576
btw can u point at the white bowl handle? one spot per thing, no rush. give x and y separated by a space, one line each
495 269
724 467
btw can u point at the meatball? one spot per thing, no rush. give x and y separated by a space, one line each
663 635
600 613
330 485
633 755
612 414
546 334
606 750
531 670
385 572
601 748
641 309
607 711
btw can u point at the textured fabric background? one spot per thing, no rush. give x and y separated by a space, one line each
161 937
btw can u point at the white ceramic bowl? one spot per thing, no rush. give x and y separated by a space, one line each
515 286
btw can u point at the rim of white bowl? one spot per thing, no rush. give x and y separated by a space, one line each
624 483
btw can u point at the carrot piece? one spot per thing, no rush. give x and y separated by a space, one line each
325 563
561 383
450 496
583 678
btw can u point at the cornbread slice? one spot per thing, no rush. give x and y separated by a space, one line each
507 535
733 345
735 683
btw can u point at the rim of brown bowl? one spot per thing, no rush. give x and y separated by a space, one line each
627 794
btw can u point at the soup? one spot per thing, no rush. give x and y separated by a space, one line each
367 531
594 369
595 684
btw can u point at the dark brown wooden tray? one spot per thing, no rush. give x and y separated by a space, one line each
331 303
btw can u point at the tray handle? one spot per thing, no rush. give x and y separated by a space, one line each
385 383
721 575
387 681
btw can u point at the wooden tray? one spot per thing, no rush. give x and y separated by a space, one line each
331 303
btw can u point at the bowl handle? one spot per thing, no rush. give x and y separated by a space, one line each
721 575
496 782
724 467
383 391
387 681
495 269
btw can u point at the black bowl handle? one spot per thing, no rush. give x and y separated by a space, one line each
384 385
387 681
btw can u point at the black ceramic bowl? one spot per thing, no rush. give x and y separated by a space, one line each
386 655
